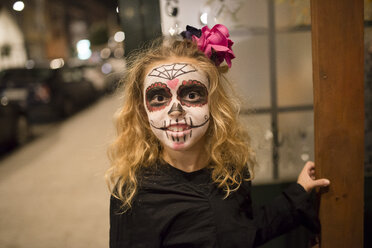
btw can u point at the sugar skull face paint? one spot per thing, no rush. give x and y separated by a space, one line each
176 100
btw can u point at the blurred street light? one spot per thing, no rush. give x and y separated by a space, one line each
57 63
119 36
105 53
83 49
18 6
30 64
119 53
4 101
106 68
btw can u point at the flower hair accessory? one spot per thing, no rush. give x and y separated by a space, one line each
215 42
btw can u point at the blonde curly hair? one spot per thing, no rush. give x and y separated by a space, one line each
231 157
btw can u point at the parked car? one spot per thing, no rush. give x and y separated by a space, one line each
15 129
47 94
93 74
115 70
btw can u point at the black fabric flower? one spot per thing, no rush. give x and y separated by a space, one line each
190 31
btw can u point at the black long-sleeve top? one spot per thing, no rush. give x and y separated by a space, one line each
178 209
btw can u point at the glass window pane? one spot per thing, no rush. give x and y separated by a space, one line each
296 137
250 69
251 13
235 14
292 13
294 69
259 129
368 10
368 38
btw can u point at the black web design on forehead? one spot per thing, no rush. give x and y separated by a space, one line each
172 71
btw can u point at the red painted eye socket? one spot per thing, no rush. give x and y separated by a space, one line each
157 96
192 93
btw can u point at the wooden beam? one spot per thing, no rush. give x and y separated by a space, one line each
338 69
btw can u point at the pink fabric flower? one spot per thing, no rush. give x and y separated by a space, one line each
215 43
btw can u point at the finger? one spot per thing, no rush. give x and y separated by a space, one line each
321 182
309 166
310 162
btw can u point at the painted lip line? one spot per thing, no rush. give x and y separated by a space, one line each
192 126
178 133
165 128
178 128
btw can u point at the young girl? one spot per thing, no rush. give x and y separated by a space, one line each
182 164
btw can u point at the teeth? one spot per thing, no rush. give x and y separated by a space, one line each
176 129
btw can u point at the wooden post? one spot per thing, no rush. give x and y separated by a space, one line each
338 71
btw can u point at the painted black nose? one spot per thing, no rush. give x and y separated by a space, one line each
176 109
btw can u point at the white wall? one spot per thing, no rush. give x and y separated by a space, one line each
10 34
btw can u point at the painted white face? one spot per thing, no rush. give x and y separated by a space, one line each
176 100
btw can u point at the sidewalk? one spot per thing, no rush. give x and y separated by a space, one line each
52 191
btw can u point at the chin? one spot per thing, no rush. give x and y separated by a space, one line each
181 146
178 146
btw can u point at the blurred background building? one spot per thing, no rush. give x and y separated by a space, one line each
52 29
60 62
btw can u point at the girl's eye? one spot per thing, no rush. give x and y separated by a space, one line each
192 96
158 99
192 93
157 96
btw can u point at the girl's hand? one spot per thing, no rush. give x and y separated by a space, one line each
307 178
